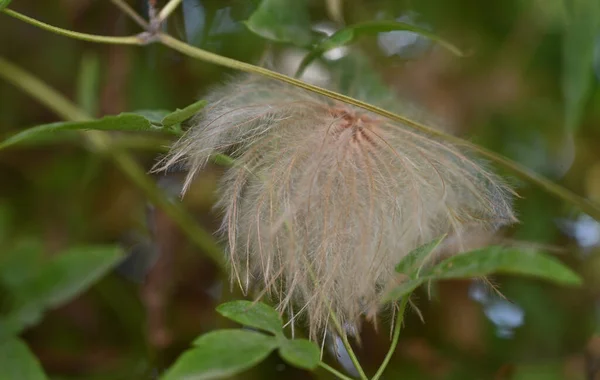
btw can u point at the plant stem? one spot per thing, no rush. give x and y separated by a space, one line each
334 371
395 337
586 205
131 40
347 345
338 326
104 143
168 9
129 11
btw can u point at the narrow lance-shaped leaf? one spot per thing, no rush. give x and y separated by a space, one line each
411 263
122 122
526 262
253 314
57 282
484 262
351 33
181 115
221 354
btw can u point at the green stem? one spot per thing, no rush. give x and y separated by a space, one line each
347 344
591 208
104 143
395 337
130 40
586 205
334 371
168 9
126 8
338 326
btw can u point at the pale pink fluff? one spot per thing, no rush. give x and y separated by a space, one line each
325 199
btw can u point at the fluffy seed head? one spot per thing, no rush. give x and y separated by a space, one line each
325 199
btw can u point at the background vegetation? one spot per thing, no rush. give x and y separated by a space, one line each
526 87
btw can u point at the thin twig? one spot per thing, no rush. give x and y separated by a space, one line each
168 9
395 337
334 371
130 40
129 11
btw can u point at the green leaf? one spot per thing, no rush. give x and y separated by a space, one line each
122 122
483 262
221 354
181 115
300 353
486 261
282 21
58 281
253 314
582 28
18 362
4 4
411 263
403 289
351 33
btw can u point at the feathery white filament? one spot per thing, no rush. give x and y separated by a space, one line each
325 198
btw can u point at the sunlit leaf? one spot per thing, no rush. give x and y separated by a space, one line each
181 115
253 314
56 282
300 353
411 263
351 33
221 354
582 28
282 21
18 362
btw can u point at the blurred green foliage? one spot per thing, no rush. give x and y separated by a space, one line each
527 88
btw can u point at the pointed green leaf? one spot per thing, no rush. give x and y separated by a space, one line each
351 33
403 289
221 354
18 362
56 282
582 28
282 21
122 122
181 115
410 264
253 314
483 262
300 353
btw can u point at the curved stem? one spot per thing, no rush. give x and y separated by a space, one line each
129 11
131 40
168 9
334 371
395 337
104 143
347 345
586 205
